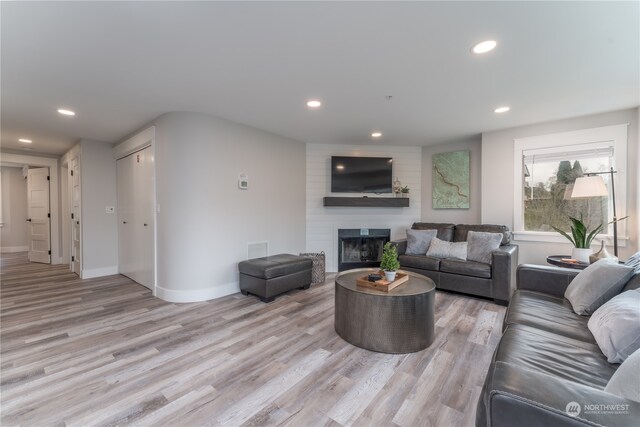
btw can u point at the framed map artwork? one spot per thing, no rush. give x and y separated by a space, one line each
451 180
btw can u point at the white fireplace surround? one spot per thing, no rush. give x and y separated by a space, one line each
323 223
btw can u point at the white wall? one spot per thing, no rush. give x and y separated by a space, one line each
498 186
323 222
13 234
456 216
205 221
98 190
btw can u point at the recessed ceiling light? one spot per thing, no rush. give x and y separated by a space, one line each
26 141
376 134
484 47
313 103
66 112
502 109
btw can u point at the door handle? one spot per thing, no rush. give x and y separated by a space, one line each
28 219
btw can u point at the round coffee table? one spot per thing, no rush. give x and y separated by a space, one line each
400 321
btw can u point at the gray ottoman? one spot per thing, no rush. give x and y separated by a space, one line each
270 276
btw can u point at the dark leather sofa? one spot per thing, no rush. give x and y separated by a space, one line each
548 361
495 280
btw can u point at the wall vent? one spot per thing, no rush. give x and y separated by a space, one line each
257 250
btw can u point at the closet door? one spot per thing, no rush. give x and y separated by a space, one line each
136 241
144 206
126 223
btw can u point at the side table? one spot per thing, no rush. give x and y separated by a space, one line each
557 261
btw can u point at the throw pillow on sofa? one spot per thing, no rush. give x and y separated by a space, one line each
616 326
597 284
481 244
624 382
443 249
418 241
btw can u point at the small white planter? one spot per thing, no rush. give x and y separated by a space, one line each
390 275
581 255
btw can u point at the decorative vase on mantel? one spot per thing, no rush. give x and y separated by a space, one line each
601 254
581 254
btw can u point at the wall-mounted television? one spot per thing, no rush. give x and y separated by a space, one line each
361 174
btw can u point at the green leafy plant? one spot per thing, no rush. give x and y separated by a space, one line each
404 189
580 236
389 258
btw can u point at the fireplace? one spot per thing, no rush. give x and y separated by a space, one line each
361 247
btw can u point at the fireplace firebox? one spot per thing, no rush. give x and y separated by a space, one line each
361 247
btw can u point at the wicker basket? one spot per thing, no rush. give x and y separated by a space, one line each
317 272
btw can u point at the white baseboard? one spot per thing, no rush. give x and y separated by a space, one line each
11 249
196 295
99 272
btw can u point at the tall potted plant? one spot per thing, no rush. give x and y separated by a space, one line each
581 238
390 263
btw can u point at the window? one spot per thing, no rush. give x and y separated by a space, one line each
546 168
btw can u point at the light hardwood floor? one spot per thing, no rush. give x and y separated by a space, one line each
106 352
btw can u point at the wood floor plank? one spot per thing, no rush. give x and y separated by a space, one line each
104 351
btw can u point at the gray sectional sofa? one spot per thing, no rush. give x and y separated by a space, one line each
495 280
548 369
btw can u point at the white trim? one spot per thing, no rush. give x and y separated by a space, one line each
99 272
197 295
137 142
617 134
553 237
54 186
11 249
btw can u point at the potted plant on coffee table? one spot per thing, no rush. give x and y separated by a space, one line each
581 238
389 263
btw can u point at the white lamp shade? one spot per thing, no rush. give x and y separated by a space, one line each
589 186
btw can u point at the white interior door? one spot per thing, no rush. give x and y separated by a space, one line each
76 252
126 238
39 227
136 241
146 214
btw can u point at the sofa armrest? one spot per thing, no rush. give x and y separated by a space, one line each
519 397
546 279
504 264
401 246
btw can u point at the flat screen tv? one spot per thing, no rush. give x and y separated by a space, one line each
361 174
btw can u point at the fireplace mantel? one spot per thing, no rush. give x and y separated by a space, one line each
367 202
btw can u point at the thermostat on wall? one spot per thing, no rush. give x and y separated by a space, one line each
243 181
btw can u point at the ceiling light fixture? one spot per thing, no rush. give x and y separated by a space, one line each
376 134
313 103
484 47
501 109
66 112
26 141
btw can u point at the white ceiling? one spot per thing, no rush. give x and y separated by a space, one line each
121 64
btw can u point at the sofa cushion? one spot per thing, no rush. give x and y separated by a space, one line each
549 313
466 268
445 231
624 382
480 245
597 284
556 355
616 326
421 262
461 230
443 249
418 241
274 266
